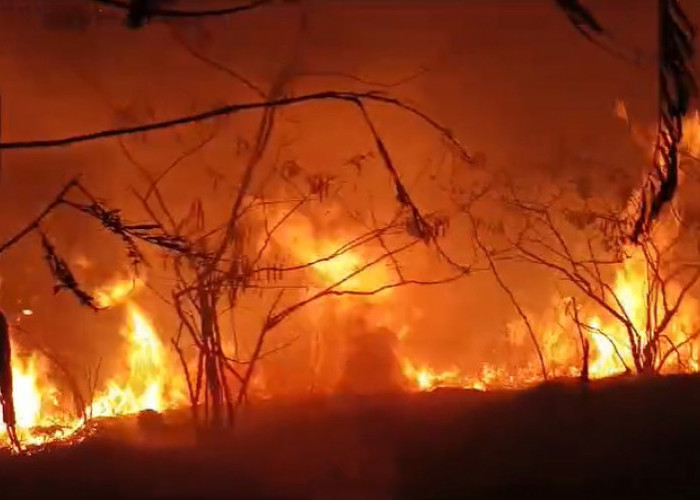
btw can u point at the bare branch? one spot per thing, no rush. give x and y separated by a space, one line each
154 11
34 224
511 296
353 97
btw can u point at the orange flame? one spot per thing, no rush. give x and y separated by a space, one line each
145 385
146 382
38 413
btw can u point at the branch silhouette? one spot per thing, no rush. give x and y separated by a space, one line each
677 88
356 98
590 28
127 5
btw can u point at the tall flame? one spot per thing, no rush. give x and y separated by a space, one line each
145 382
148 381
39 416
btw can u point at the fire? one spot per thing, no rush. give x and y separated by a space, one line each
337 268
610 351
427 379
118 293
632 287
331 259
146 381
39 415
27 395
603 362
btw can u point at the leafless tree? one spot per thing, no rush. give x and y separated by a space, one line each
586 248
240 257
218 265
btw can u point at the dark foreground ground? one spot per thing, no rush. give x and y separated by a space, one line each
623 439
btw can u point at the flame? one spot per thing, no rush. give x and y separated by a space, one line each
146 381
331 258
118 293
27 395
39 417
610 353
427 379
621 111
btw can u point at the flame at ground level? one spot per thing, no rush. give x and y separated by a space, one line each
642 311
146 385
146 381
143 384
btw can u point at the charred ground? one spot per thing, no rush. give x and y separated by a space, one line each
616 437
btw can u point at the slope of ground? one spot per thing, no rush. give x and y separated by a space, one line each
623 438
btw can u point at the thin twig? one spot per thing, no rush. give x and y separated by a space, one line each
512 298
175 13
353 97
34 224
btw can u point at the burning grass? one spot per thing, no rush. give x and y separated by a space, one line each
43 410
639 304
150 377
628 307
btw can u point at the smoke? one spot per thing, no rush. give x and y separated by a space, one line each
511 79
370 363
